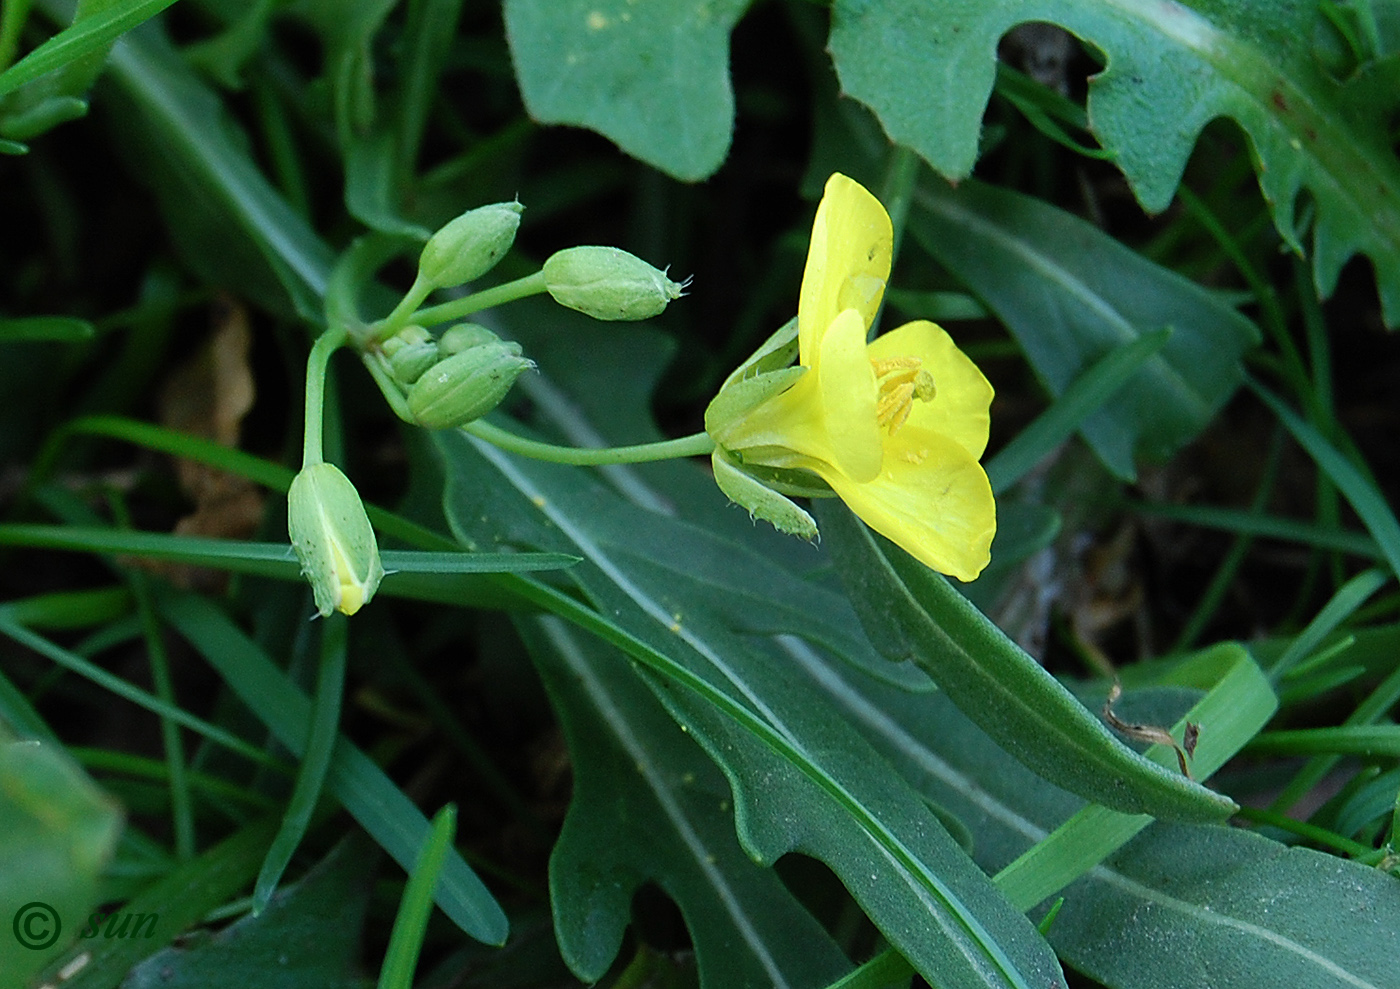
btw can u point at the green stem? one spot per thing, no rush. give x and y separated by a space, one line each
694 445
321 351
403 312
388 387
497 295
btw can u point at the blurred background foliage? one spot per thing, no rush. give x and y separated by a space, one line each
176 183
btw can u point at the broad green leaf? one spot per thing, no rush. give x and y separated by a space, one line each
912 613
1226 907
927 70
309 935
637 774
1238 704
653 77
691 568
1180 905
846 807
57 832
1071 295
818 795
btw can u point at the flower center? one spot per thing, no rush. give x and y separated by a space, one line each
901 380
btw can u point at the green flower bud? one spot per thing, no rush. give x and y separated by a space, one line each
467 385
465 336
408 363
607 283
469 246
406 337
333 540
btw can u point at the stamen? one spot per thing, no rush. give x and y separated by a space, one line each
901 380
884 366
893 407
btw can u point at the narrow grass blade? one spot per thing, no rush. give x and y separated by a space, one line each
1090 391
411 923
270 475
107 681
265 472
1363 741
71 609
1352 595
1370 505
324 728
181 805
266 559
361 786
177 902
1375 706
1268 526
62 329
86 37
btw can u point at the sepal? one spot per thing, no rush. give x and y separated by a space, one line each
760 501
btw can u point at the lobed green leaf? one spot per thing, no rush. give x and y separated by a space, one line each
1170 68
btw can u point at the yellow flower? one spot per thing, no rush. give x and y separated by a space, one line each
894 427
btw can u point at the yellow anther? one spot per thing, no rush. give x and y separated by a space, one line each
901 380
894 405
884 366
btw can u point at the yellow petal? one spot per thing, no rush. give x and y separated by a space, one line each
848 395
931 498
827 416
848 261
960 408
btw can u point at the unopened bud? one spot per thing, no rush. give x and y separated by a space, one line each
411 351
409 363
467 385
607 283
333 539
465 336
469 246
409 335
